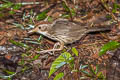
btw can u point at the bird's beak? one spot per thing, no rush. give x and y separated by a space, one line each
33 31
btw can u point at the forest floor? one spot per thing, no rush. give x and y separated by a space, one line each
18 56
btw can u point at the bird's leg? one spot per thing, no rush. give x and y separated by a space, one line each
54 49
56 46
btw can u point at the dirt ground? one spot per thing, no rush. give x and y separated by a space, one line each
30 65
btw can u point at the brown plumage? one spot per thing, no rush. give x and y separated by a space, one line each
65 32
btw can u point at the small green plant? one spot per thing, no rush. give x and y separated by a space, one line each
20 44
109 46
67 59
63 59
115 8
70 13
42 15
10 75
94 74
59 76
29 17
9 8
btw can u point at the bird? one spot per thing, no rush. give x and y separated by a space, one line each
65 32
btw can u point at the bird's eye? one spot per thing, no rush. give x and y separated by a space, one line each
39 27
42 27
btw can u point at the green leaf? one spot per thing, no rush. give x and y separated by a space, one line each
83 66
109 46
74 70
25 68
22 62
10 75
36 57
17 6
42 15
7 5
9 79
58 76
97 69
108 16
9 72
74 50
72 11
34 42
65 15
19 44
86 73
63 59
6 1
65 6
40 38
71 62
115 6
101 76
92 70
1 15
11 12
18 25
50 19
1 8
